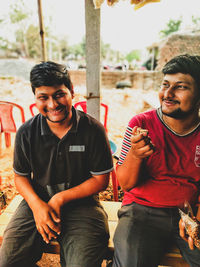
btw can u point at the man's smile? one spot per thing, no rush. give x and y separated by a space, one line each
170 102
55 111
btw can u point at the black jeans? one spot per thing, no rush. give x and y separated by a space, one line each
143 235
83 239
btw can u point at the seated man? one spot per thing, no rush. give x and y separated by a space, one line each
62 159
159 169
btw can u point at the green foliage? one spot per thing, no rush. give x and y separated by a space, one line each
78 50
105 50
33 42
3 43
196 20
172 26
19 17
133 55
18 12
64 48
196 24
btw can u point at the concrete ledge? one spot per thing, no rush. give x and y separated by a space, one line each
172 258
7 214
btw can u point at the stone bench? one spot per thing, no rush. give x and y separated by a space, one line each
172 258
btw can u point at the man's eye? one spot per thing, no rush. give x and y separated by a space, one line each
59 95
181 87
42 97
164 85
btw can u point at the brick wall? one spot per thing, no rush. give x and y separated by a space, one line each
177 44
145 80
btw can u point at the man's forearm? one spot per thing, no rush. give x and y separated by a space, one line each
128 173
25 189
90 187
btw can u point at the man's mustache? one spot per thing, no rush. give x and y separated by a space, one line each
60 107
171 100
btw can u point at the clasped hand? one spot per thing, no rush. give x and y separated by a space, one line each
47 219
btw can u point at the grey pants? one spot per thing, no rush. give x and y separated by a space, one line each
143 235
83 240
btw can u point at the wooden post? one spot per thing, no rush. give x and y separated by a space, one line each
41 30
93 73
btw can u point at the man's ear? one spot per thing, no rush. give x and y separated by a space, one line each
72 92
198 102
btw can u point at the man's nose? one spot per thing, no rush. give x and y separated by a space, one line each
169 92
52 103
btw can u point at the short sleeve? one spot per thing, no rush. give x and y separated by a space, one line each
100 156
126 143
21 162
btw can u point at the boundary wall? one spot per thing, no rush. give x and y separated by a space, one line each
145 80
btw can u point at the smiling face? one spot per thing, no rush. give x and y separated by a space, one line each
179 95
54 102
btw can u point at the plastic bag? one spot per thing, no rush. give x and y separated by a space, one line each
140 3
192 227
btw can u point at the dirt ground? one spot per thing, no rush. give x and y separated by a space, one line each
122 103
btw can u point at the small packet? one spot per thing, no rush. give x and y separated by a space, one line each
146 138
141 131
192 226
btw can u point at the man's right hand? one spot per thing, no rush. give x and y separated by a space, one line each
141 145
46 220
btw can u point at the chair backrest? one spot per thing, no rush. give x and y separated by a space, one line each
83 105
32 108
8 123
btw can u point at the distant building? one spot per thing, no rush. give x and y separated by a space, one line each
177 44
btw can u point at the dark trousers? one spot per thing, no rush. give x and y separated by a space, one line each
83 239
143 235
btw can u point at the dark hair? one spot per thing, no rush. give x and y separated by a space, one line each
48 73
186 64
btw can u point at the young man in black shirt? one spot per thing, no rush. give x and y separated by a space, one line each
62 159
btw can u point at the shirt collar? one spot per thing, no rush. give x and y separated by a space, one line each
45 130
160 115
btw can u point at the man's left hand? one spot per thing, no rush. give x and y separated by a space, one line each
183 234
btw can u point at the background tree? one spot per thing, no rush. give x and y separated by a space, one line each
19 17
172 26
33 42
196 24
64 48
78 50
133 55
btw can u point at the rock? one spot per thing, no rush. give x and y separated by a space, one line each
123 84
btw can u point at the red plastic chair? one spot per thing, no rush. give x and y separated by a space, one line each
33 107
83 105
7 121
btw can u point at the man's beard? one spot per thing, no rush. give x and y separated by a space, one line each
178 113
64 118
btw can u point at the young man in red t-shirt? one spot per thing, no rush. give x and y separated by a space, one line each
159 169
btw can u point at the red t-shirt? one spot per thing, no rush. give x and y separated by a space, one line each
172 172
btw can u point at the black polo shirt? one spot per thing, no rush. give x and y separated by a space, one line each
54 164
